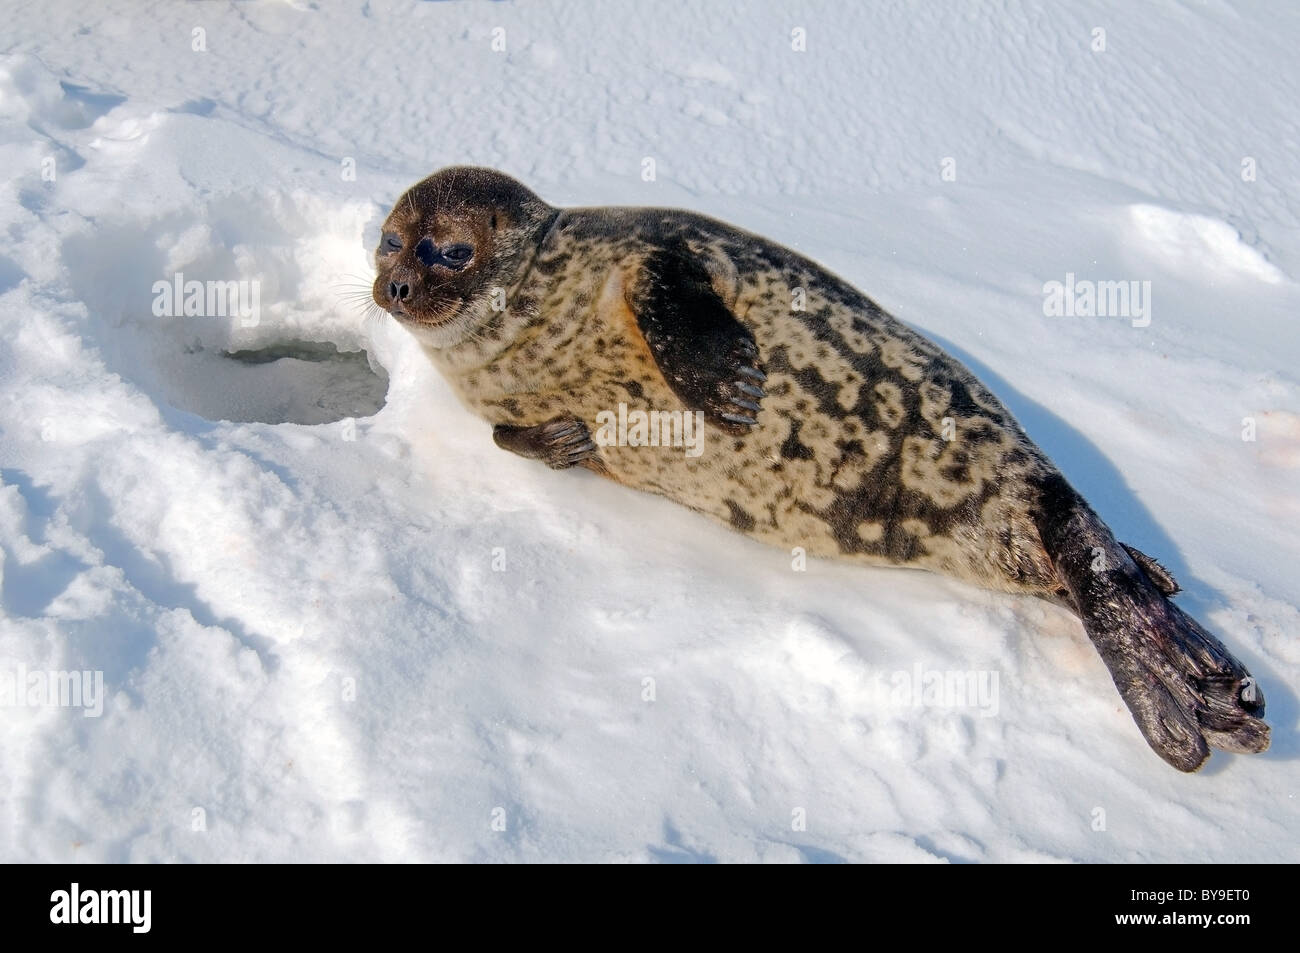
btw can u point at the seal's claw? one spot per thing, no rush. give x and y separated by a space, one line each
737 419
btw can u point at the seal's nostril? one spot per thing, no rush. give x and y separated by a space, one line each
399 292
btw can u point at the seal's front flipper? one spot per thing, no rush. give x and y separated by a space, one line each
708 358
1185 690
560 443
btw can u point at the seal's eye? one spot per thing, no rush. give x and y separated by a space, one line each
390 244
453 256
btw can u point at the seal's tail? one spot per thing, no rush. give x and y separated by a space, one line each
1185 690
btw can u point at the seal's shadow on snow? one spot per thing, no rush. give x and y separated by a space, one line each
1104 487
675 850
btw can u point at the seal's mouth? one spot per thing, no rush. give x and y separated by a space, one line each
406 315
402 311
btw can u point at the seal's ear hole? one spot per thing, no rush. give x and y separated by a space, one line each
494 221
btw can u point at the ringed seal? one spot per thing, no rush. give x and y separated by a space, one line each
833 427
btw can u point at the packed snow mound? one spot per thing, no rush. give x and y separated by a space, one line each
320 616
1200 244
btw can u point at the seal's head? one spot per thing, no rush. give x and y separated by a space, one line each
449 244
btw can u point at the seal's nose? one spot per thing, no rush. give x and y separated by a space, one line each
398 291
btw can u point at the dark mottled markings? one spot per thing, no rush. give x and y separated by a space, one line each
961 402
740 519
792 449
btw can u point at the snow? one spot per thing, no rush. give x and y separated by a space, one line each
335 622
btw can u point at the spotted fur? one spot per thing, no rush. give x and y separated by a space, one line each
848 458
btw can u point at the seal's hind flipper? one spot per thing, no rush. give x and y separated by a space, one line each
560 443
1185 690
707 357
1157 573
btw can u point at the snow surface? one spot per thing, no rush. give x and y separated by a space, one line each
307 652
